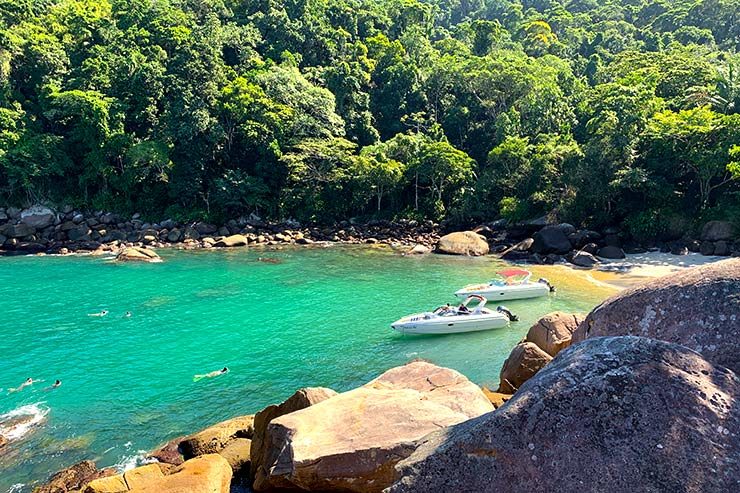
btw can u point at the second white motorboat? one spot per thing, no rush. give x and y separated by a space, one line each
453 320
509 284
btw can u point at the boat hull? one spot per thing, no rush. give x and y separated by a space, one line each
451 325
501 293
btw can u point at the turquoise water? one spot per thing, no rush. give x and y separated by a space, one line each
318 317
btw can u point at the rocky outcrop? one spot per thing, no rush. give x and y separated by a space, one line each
138 254
214 438
169 453
616 414
553 239
553 332
717 231
583 259
497 398
611 252
205 474
232 241
698 308
261 441
352 441
73 478
463 243
525 360
238 453
38 216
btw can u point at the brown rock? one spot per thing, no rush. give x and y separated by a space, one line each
552 333
497 398
141 477
138 254
525 360
352 441
169 453
73 478
463 243
237 454
209 473
302 398
110 484
611 414
213 439
698 308
232 241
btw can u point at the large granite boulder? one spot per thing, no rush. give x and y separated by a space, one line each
205 474
261 442
352 441
138 254
214 438
38 216
553 332
553 239
524 361
463 243
232 241
718 230
698 308
612 414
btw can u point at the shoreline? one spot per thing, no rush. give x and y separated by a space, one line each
42 230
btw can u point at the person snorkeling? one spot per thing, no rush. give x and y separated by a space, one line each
212 374
29 381
102 313
57 383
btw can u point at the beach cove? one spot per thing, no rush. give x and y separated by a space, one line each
279 319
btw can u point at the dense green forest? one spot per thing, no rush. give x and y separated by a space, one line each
467 110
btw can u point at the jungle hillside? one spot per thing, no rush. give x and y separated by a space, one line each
617 111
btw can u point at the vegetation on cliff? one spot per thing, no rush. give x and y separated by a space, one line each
314 109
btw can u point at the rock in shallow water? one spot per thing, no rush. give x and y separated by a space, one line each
137 254
611 414
698 308
463 243
352 441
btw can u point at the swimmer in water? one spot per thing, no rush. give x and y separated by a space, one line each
127 315
212 374
57 383
99 314
29 381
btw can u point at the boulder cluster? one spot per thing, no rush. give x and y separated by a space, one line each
553 243
639 395
43 229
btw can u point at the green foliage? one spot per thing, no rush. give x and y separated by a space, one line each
600 111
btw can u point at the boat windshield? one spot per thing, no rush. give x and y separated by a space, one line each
511 277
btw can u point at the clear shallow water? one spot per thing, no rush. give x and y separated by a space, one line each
320 317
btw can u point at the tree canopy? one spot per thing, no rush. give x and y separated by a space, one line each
603 112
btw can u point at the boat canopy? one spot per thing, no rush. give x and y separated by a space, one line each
508 277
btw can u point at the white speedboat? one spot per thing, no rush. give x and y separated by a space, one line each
509 284
452 320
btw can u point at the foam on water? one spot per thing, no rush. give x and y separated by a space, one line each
13 427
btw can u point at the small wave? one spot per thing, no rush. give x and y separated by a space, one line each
129 462
18 422
16 488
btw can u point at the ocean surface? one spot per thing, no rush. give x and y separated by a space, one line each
280 320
